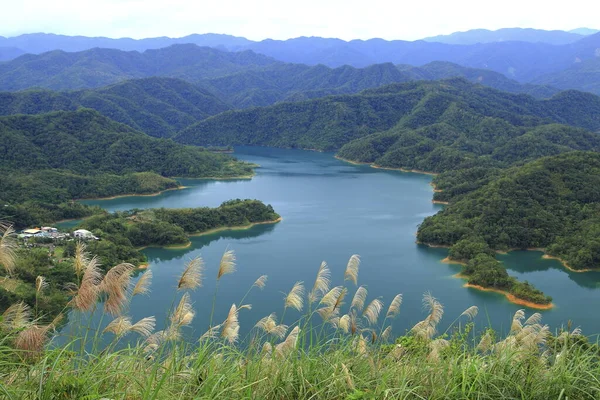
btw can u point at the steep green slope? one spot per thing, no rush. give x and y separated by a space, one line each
551 203
48 159
159 107
329 123
156 106
86 142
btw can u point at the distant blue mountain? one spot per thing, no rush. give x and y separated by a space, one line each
9 53
475 36
584 31
520 60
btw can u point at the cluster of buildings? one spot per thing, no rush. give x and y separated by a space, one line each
53 233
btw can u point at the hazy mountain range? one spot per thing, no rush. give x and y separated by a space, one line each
513 34
528 56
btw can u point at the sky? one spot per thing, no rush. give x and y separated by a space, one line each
283 19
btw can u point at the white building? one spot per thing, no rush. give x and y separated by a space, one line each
83 234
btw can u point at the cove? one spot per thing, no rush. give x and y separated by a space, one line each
332 209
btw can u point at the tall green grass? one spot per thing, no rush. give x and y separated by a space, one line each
338 349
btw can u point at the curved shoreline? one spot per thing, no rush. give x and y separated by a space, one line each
547 256
208 232
511 297
179 187
373 165
118 196
235 228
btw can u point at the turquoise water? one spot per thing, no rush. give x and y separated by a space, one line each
331 210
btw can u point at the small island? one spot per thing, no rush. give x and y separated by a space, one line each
123 234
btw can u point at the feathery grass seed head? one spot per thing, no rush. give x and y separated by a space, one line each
191 278
372 311
321 285
261 282
351 273
142 286
8 245
116 287
394 308
227 264
295 298
358 301
231 327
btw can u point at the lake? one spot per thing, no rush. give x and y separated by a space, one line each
331 210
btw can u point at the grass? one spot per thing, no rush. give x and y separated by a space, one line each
345 355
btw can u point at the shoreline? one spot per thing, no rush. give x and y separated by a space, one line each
547 256
512 298
220 178
179 187
567 266
208 232
509 296
505 252
445 203
373 165
449 260
434 246
235 228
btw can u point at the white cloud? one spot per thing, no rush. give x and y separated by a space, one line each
259 19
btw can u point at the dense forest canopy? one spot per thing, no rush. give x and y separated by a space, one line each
452 105
551 203
49 159
156 106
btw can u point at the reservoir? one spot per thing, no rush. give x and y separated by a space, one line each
332 209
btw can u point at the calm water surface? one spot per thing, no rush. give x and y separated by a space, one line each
330 211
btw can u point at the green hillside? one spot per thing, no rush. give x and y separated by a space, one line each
48 159
331 122
551 203
156 106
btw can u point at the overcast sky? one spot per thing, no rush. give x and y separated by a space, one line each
282 19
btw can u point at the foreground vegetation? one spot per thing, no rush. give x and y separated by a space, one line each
333 351
121 235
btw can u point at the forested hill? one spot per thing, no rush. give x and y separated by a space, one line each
100 67
551 203
86 142
159 107
296 82
447 107
49 159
